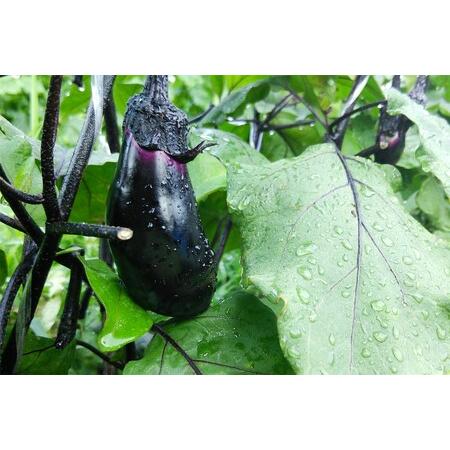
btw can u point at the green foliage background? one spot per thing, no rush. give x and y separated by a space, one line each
281 330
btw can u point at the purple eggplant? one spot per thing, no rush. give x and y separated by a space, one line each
168 266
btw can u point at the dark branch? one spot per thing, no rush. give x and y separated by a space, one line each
201 116
68 325
13 223
337 136
256 132
21 213
310 109
101 355
286 126
12 288
85 302
157 329
87 229
356 111
111 126
221 242
80 156
49 132
32 199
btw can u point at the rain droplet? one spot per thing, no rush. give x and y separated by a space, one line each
441 333
379 336
345 294
395 332
407 260
365 352
347 245
303 295
387 241
378 305
305 273
306 249
332 339
398 355
338 230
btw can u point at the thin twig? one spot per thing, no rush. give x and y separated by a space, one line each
201 116
286 126
310 109
21 213
13 223
32 199
88 229
177 347
356 111
337 136
220 247
107 359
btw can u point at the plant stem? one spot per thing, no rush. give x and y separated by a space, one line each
49 132
358 86
111 126
80 156
87 229
156 328
356 111
17 279
101 355
21 213
286 126
32 199
68 325
13 223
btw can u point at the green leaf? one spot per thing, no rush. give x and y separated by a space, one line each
61 155
90 202
3 267
431 199
40 357
236 336
229 148
19 163
251 93
433 155
349 299
208 175
125 320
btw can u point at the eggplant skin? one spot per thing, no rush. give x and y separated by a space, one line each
167 266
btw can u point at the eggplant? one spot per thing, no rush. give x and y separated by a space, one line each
168 266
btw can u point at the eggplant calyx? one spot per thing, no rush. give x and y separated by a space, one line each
154 121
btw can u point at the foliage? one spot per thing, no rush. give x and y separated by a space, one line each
334 264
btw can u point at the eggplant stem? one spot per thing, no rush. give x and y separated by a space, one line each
87 229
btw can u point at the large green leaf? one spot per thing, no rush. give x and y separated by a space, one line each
125 320
357 284
434 154
236 336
